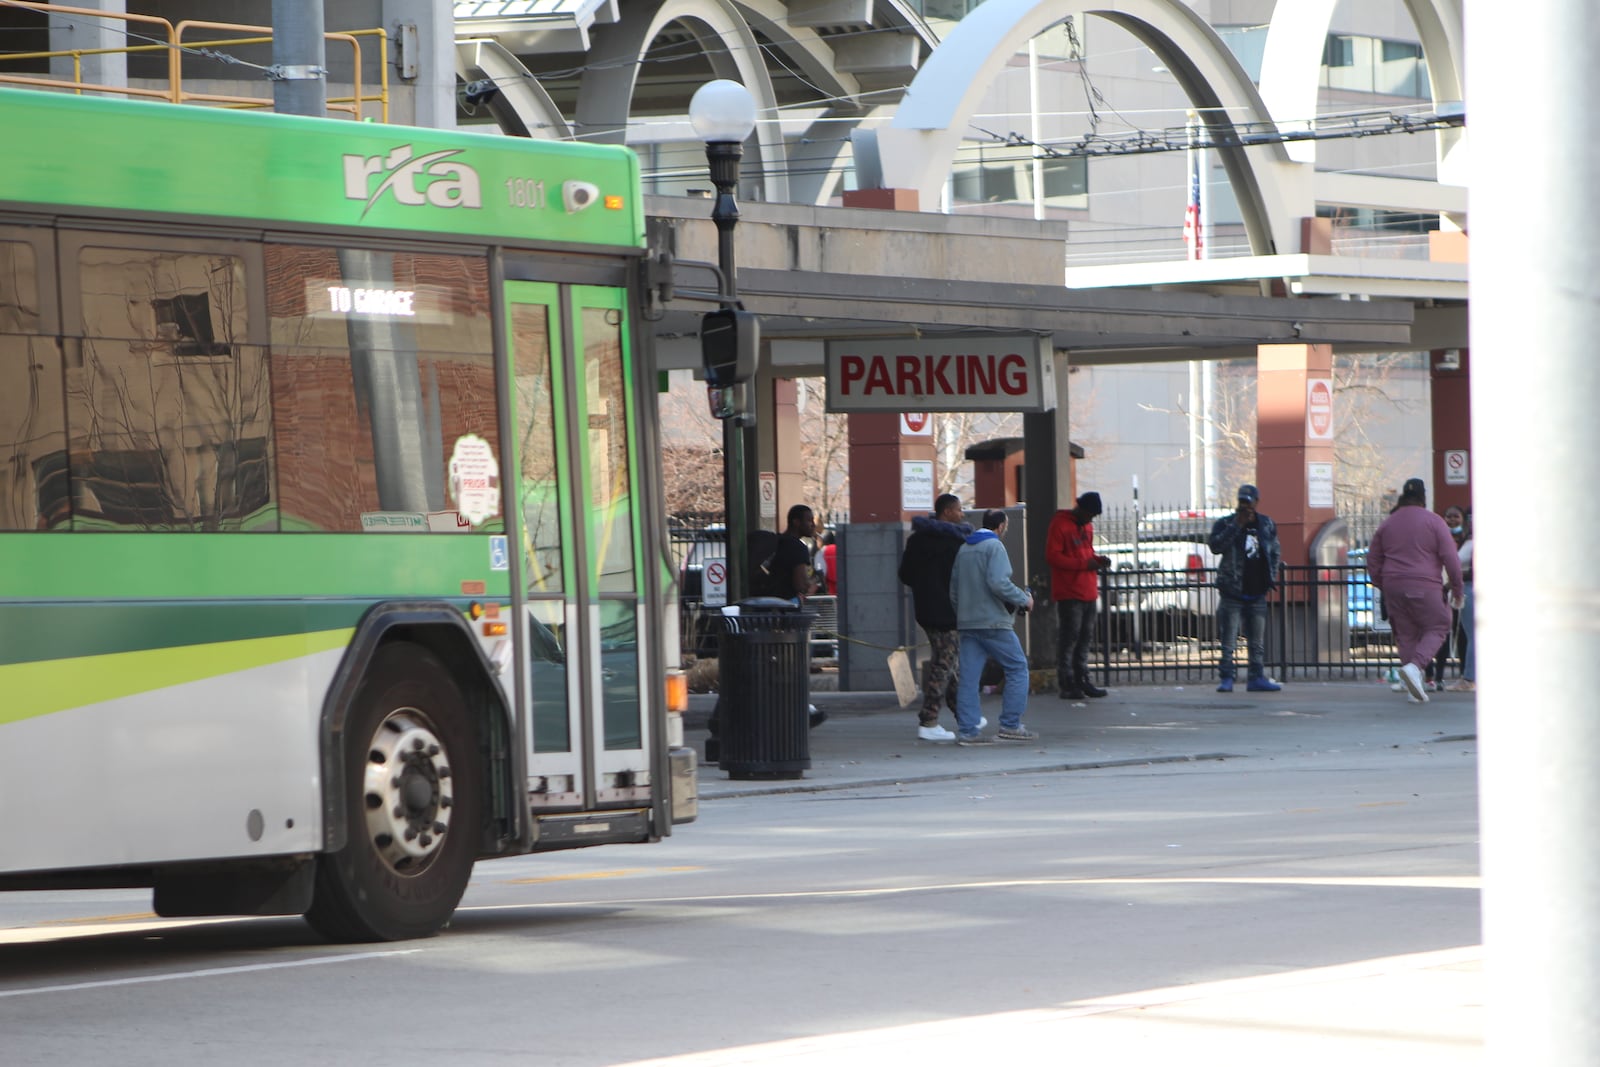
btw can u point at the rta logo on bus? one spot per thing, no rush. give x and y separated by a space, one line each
425 179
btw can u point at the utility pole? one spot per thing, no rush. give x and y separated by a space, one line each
299 58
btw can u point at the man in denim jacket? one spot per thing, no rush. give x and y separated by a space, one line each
1246 544
986 602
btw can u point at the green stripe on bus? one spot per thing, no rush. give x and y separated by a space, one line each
43 688
238 566
56 631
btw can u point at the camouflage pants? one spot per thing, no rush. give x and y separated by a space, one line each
940 675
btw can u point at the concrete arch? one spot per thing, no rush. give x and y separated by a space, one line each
605 90
1292 63
804 47
522 108
916 150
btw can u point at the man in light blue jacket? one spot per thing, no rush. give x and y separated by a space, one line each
986 602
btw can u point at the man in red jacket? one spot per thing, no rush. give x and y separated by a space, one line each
1075 587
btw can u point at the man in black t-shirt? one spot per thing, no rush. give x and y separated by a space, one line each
787 572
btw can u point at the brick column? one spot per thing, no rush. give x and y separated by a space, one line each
1284 374
1452 425
877 449
778 447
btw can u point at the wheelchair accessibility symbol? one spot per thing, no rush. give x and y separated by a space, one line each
499 555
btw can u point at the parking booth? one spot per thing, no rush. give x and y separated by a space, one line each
764 664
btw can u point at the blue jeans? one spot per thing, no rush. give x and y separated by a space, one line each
1003 647
1469 661
1254 612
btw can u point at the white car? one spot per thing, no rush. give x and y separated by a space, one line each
1166 575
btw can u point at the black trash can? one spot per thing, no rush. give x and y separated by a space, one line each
764 667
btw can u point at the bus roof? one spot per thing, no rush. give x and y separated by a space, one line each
80 153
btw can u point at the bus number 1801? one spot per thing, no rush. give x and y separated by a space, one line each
524 192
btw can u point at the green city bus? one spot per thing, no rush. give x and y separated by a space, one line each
329 514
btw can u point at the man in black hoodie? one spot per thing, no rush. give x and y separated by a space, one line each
925 566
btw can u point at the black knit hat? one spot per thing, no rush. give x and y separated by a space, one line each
1090 502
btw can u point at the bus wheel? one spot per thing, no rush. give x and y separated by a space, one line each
411 803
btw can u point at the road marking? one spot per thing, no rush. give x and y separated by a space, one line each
626 872
1472 881
212 972
86 928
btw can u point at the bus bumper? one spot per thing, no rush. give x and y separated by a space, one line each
685 766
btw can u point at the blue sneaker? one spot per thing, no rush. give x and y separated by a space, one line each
1263 685
1225 686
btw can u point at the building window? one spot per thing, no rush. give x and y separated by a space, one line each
1375 65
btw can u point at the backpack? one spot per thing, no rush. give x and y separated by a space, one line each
762 547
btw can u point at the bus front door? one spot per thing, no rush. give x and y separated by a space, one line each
582 599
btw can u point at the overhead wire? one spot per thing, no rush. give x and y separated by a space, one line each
1136 141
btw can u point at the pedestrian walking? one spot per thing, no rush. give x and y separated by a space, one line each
1468 682
925 566
987 602
1454 519
1246 544
1075 588
1405 557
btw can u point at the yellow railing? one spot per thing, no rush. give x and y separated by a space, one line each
173 43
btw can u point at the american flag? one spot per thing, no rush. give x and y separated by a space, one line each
1193 234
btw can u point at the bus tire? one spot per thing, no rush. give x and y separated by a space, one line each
412 803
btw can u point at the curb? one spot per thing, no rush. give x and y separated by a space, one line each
799 786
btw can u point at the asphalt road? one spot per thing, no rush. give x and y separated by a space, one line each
1323 910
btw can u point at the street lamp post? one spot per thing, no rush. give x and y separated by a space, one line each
723 113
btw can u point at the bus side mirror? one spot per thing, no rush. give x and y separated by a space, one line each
729 339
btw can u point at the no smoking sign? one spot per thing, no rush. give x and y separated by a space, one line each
714 584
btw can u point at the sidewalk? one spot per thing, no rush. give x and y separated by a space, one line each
1417 1010
870 740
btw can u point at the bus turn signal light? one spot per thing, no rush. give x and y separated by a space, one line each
677 691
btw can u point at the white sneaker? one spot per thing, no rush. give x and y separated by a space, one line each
935 733
1411 677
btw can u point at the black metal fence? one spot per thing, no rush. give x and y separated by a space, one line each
1324 624
1117 523
1157 623
695 546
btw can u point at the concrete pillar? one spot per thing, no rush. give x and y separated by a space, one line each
81 32
875 609
434 88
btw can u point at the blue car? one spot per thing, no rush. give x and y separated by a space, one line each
1361 601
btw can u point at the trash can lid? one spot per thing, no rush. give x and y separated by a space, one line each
768 603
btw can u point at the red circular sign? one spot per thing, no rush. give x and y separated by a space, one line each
1319 406
916 421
